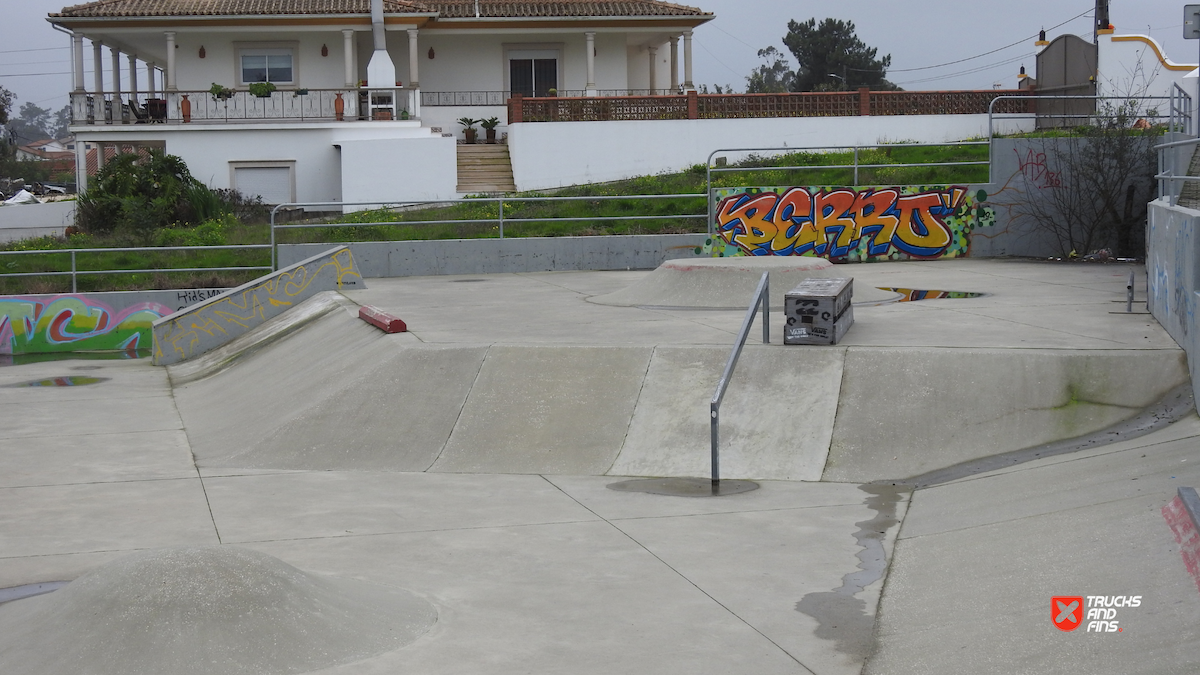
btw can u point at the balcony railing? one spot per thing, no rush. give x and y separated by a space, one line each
202 107
482 98
740 106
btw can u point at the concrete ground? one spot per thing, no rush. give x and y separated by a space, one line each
552 572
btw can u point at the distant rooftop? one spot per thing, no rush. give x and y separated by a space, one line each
456 9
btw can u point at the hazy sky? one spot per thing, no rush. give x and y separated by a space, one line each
35 59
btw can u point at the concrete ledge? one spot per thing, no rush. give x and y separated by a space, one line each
218 320
1191 502
382 320
508 256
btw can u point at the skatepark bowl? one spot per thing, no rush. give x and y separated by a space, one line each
320 496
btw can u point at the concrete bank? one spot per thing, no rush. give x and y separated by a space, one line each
340 395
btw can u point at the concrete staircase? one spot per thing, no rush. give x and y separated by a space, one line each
485 168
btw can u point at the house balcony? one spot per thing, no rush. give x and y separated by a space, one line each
242 107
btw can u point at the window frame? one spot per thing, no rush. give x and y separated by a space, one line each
534 51
291 47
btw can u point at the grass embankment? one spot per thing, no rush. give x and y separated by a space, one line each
475 219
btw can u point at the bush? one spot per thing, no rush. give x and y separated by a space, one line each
137 194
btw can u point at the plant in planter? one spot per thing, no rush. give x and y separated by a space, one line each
262 89
300 92
489 126
552 93
468 129
220 93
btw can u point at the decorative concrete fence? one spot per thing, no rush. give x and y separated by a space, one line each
218 320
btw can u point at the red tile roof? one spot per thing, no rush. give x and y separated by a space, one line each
134 8
448 9
453 9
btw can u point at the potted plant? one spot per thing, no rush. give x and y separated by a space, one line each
262 89
552 92
300 92
468 129
489 126
220 93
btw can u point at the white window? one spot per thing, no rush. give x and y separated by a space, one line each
275 182
267 62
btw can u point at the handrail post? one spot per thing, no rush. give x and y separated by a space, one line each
856 166
74 276
501 217
761 296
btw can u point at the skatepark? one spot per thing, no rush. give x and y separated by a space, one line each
926 485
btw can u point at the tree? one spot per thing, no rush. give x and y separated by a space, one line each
1105 179
774 76
32 124
137 194
6 101
831 57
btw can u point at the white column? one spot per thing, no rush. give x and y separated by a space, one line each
348 56
150 79
170 60
77 61
591 63
80 165
116 85
98 69
653 69
687 60
414 79
133 83
674 64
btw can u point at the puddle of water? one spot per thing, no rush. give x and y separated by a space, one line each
23 359
915 294
68 381
840 616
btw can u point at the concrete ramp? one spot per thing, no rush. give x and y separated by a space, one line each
341 395
728 283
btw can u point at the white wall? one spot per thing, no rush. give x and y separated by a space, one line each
21 221
220 64
446 117
1136 64
399 169
549 155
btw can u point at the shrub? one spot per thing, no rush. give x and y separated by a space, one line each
137 194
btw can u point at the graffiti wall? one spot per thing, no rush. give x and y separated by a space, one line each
218 320
865 224
73 323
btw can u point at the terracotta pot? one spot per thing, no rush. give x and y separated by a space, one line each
491 136
469 135
339 107
185 107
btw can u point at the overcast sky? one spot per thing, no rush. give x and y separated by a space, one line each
35 59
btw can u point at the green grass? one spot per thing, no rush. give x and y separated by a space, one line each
476 219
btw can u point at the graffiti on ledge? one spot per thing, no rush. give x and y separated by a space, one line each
869 224
70 323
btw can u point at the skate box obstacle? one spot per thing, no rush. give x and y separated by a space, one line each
818 311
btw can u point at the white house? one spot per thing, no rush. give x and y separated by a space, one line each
367 91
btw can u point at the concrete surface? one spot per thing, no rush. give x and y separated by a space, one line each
729 283
313 448
215 609
23 221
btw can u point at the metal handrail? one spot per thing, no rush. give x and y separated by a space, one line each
75 272
1167 169
761 299
500 220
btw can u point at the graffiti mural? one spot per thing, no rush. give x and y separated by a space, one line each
71 323
869 224
219 320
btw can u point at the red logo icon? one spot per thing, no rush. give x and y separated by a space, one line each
1066 611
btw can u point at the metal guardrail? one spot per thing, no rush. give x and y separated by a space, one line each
854 163
1168 170
75 272
761 299
500 219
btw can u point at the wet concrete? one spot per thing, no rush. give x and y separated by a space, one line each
842 617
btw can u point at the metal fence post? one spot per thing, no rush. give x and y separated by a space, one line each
74 277
501 218
856 166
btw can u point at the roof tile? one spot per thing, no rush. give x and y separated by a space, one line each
446 9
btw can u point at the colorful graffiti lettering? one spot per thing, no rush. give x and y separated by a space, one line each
69 323
869 224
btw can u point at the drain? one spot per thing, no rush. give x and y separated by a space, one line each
685 487
465 281
68 381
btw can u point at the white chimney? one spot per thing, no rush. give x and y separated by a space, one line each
381 72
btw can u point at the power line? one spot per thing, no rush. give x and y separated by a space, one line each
978 69
39 49
969 58
65 72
